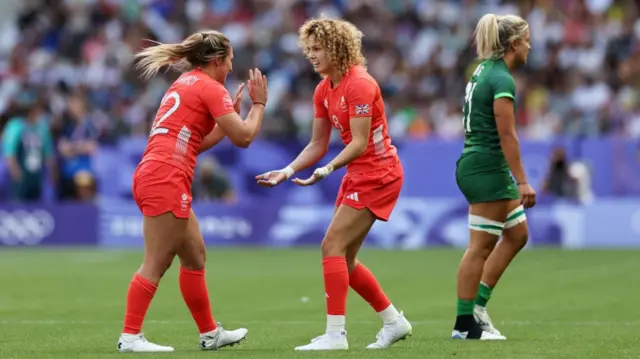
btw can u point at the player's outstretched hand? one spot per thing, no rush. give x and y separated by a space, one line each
527 195
271 178
307 182
317 175
237 99
258 86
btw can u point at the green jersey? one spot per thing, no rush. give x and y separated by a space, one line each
491 80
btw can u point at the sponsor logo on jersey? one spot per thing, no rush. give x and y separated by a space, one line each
343 104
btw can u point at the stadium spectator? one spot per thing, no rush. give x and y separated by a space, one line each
27 149
212 183
76 146
583 79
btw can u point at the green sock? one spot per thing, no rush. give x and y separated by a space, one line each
484 293
465 307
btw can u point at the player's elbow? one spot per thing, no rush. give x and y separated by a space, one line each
360 146
242 142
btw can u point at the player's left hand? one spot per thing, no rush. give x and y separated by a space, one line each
237 99
317 175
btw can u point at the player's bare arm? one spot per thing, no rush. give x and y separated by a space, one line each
360 129
241 133
310 155
506 125
213 138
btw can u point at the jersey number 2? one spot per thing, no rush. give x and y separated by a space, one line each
156 129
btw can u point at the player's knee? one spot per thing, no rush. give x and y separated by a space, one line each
333 246
352 262
520 240
481 249
155 267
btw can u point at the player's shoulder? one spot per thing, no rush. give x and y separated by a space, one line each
499 70
361 75
323 84
196 81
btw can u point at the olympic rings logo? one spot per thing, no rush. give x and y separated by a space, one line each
25 227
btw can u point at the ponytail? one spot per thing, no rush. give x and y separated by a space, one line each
197 50
495 33
488 36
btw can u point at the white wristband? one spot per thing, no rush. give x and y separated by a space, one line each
323 172
288 171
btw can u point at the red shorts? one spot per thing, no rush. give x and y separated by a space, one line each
160 188
377 190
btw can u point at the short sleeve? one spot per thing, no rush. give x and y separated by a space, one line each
504 86
11 138
319 103
360 96
217 100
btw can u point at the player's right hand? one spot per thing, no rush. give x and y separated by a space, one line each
527 195
257 86
271 178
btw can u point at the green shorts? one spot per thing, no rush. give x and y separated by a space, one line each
484 177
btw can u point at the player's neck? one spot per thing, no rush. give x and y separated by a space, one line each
211 72
336 77
510 61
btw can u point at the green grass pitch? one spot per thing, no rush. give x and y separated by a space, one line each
68 304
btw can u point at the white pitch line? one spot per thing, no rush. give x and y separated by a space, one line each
300 322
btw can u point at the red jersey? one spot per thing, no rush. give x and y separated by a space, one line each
186 115
357 95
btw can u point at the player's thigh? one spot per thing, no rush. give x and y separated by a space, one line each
347 227
163 234
192 252
485 178
159 188
160 191
516 229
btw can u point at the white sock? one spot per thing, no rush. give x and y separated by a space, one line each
389 315
335 323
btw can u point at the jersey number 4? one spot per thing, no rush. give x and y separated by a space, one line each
156 129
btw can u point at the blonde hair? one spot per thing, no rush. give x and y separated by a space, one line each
341 40
198 49
495 33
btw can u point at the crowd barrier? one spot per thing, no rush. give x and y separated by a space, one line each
416 223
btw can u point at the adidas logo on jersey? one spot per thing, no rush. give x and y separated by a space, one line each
354 197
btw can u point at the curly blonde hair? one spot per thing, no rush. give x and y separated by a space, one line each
341 40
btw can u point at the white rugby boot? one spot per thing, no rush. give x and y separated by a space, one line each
484 321
327 341
137 343
220 338
483 336
392 332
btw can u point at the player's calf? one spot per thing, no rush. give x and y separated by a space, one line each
484 234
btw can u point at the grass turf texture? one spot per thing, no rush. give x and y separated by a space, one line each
550 304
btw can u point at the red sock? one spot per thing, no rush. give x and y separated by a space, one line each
365 284
139 296
195 294
336 284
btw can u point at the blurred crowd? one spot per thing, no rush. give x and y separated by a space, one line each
67 64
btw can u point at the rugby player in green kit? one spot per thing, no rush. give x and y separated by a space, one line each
490 173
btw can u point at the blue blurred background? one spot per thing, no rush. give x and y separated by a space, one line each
74 111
